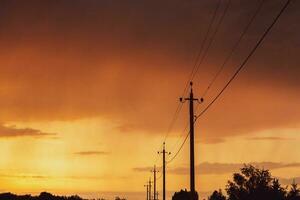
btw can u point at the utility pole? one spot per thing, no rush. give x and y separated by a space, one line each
191 100
164 152
154 182
147 191
156 195
150 188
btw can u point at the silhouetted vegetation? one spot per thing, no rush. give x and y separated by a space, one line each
184 195
118 198
217 195
42 196
256 184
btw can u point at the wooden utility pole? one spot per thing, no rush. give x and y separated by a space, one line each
150 188
164 152
154 182
191 100
147 186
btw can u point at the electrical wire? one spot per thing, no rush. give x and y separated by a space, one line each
159 176
179 106
211 39
234 48
236 73
181 146
247 58
193 70
202 47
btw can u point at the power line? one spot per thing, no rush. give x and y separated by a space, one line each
182 144
159 176
212 38
247 58
194 70
179 138
178 109
233 48
235 74
172 121
196 66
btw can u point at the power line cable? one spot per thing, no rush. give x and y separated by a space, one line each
212 38
181 146
193 70
202 47
247 58
234 48
178 109
236 73
196 67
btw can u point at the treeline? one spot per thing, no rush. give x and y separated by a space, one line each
42 196
256 184
250 184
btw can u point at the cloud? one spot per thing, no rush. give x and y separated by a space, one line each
288 181
142 169
12 131
210 140
91 153
24 176
269 138
224 168
74 177
138 72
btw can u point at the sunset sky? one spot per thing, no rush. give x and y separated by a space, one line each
88 89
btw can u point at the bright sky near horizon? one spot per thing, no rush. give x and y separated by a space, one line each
88 89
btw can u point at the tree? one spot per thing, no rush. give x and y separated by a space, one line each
254 184
217 195
184 195
294 193
277 192
118 198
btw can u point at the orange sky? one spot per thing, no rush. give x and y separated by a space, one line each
88 90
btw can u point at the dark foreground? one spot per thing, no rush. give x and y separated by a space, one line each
42 196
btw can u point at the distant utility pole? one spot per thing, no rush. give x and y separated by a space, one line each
154 182
150 188
164 152
156 195
191 100
147 191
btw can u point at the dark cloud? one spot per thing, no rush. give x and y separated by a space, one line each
128 61
12 131
91 153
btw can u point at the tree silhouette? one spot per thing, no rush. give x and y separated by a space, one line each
256 184
184 195
217 195
118 198
42 196
294 193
